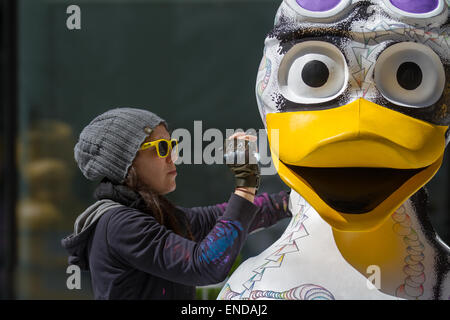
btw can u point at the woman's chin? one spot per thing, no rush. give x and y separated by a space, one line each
170 189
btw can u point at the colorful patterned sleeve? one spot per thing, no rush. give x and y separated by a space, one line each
271 209
138 240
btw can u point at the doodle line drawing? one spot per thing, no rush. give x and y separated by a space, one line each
266 64
303 292
414 269
275 260
373 38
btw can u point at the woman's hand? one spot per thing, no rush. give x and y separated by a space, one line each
242 158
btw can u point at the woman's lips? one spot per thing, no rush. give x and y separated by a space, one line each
173 172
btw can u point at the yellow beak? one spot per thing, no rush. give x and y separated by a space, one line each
357 163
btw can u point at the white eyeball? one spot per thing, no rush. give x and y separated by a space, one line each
313 72
410 74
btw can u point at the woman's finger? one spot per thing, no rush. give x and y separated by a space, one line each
236 135
242 135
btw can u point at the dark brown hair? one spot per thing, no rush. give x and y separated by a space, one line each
158 206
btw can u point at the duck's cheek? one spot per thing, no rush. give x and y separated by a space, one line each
355 164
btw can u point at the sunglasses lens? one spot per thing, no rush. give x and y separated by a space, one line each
163 148
174 153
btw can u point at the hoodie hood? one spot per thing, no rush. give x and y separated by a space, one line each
77 243
108 196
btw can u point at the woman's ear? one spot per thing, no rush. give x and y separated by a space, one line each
130 178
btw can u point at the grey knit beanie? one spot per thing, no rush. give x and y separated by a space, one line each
108 145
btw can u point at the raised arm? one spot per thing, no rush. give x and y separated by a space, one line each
137 239
271 209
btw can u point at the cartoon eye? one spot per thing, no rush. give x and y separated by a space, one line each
416 8
410 74
313 72
318 9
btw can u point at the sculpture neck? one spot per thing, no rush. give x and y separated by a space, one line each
399 248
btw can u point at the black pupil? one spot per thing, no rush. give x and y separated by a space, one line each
409 75
163 148
315 74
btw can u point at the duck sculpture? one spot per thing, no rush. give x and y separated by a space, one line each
354 96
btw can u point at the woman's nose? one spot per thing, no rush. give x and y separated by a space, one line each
172 157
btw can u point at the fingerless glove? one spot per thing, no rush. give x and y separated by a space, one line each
243 160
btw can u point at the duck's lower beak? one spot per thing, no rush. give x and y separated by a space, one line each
357 163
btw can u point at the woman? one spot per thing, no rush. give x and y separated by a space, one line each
134 242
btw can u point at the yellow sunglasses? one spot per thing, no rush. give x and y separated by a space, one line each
163 146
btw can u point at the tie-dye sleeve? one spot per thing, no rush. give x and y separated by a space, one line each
138 240
271 209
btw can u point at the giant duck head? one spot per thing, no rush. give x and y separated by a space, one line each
354 96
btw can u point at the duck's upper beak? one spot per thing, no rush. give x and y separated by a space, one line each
357 163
